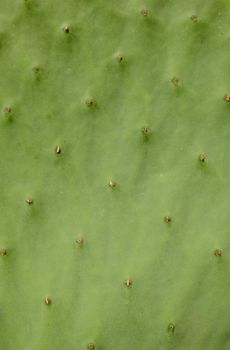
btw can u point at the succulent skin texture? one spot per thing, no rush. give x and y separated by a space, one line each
114 168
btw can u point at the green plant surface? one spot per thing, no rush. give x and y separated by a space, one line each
114 168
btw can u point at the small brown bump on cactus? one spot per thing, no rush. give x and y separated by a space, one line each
66 29
144 12
128 282
7 109
145 130
90 346
171 327
167 218
194 18
202 157
47 301
58 149
89 102
175 81
80 242
2 252
29 200
120 57
227 97
36 69
112 184
218 252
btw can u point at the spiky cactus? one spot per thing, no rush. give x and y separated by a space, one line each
114 138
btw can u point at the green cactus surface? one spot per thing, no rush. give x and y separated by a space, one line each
114 175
